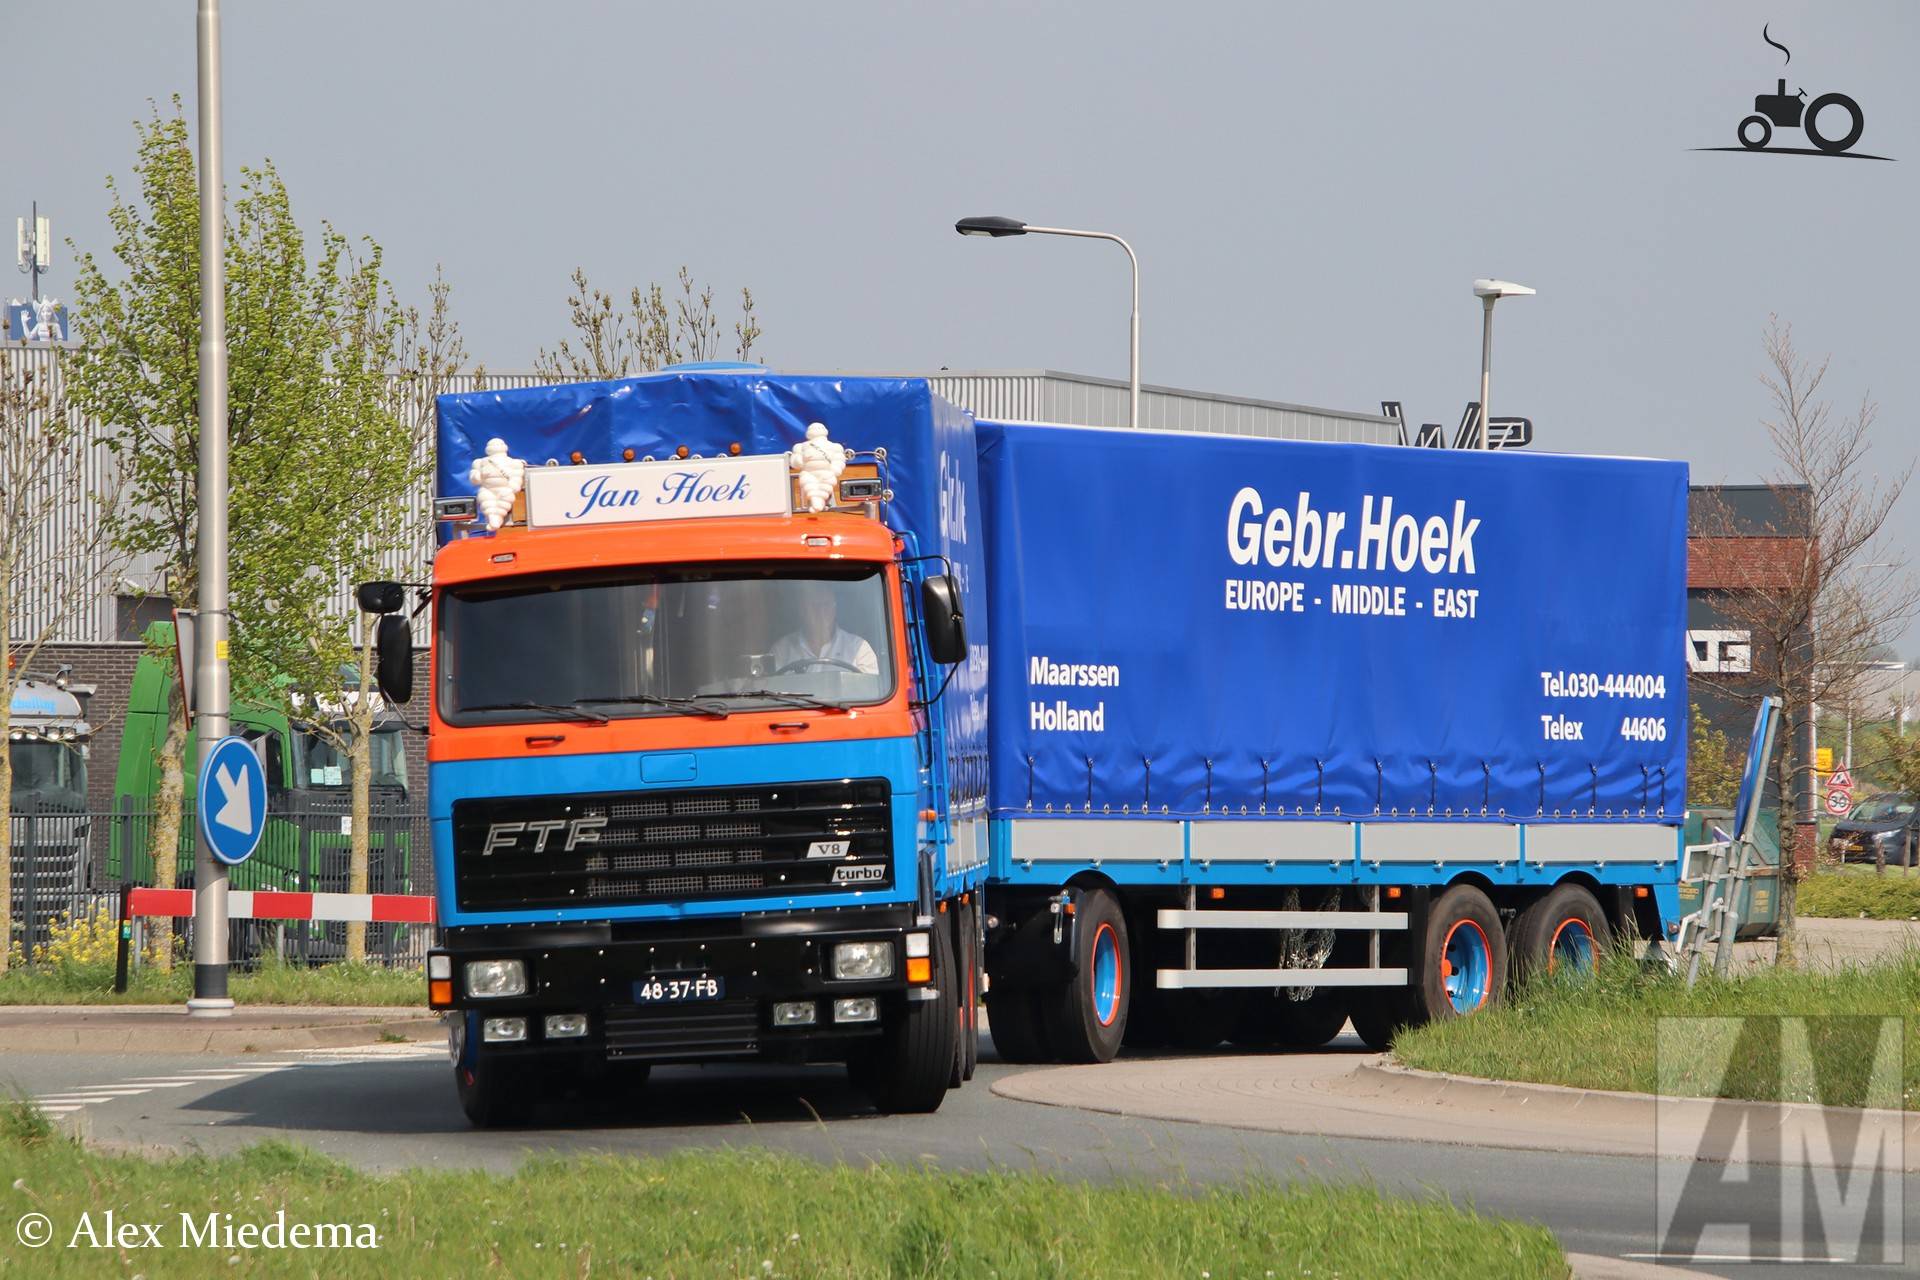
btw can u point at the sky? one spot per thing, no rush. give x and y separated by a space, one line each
1311 188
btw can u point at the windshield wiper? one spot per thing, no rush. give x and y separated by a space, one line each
700 705
574 712
783 698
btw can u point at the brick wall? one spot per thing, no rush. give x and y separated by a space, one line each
1737 564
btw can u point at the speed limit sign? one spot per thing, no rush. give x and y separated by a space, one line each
1839 802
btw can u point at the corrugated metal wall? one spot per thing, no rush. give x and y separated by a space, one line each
1048 396
58 546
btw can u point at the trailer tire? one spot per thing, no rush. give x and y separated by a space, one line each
1377 1014
1567 926
1086 1016
1275 1020
1465 959
909 1069
1198 1020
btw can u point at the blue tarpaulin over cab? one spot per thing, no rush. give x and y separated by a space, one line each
930 467
1199 625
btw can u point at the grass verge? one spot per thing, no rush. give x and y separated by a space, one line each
1599 1032
1860 892
271 983
735 1213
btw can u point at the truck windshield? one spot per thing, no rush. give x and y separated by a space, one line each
659 641
319 766
49 773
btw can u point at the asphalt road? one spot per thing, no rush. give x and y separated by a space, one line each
392 1106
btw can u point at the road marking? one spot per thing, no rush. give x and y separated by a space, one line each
60 1110
105 1091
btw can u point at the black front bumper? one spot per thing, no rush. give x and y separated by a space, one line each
760 961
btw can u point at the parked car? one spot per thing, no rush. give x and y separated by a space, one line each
1889 822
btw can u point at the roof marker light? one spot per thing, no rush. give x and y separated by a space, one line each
681 452
577 458
733 450
626 455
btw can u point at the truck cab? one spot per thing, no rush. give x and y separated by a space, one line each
308 782
47 746
687 780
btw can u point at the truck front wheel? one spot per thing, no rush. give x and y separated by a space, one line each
909 1070
492 1092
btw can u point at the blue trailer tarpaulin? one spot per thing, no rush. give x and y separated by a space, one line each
1187 625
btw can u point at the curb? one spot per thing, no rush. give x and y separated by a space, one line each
1596 1266
213 1039
1608 1106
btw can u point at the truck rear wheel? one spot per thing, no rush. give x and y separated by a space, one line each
1086 1016
1014 1025
1275 1020
1465 959
1377 1013
909 1069
966 1047
1565 929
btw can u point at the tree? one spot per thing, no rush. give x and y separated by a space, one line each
1713 774
1829 593
312 330
644 336
51 566
321 652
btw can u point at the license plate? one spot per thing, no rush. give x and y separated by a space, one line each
678 990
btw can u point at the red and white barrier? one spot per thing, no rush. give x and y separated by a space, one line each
271 904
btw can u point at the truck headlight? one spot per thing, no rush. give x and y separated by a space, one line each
495 978
862 960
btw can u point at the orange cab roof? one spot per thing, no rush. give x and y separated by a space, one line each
853 537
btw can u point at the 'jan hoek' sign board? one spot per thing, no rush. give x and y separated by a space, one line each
678 489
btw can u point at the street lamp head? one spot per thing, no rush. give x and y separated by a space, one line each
1500 289
989 226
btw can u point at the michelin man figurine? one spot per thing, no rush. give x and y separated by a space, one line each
496 478
818 462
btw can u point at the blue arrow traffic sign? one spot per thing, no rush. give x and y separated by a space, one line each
232 800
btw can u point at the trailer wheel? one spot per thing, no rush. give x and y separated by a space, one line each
1086 1017
1378 1013
909 1069
1275 1020
1465 957
1565 929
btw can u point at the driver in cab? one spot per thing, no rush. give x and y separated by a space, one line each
820 640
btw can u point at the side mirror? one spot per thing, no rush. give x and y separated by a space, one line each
946 622
381 597
393 655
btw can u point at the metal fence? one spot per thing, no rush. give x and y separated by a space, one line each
70 863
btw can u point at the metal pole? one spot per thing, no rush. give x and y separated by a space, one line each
1486 372
1133 337
210 997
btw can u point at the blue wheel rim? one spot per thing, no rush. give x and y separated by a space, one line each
1572 943
1466 963
1106 975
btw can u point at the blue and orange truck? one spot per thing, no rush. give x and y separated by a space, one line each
787 716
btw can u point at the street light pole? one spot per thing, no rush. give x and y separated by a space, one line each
210 997
998 227
1490 292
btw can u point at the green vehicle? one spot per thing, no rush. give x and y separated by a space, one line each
306 843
